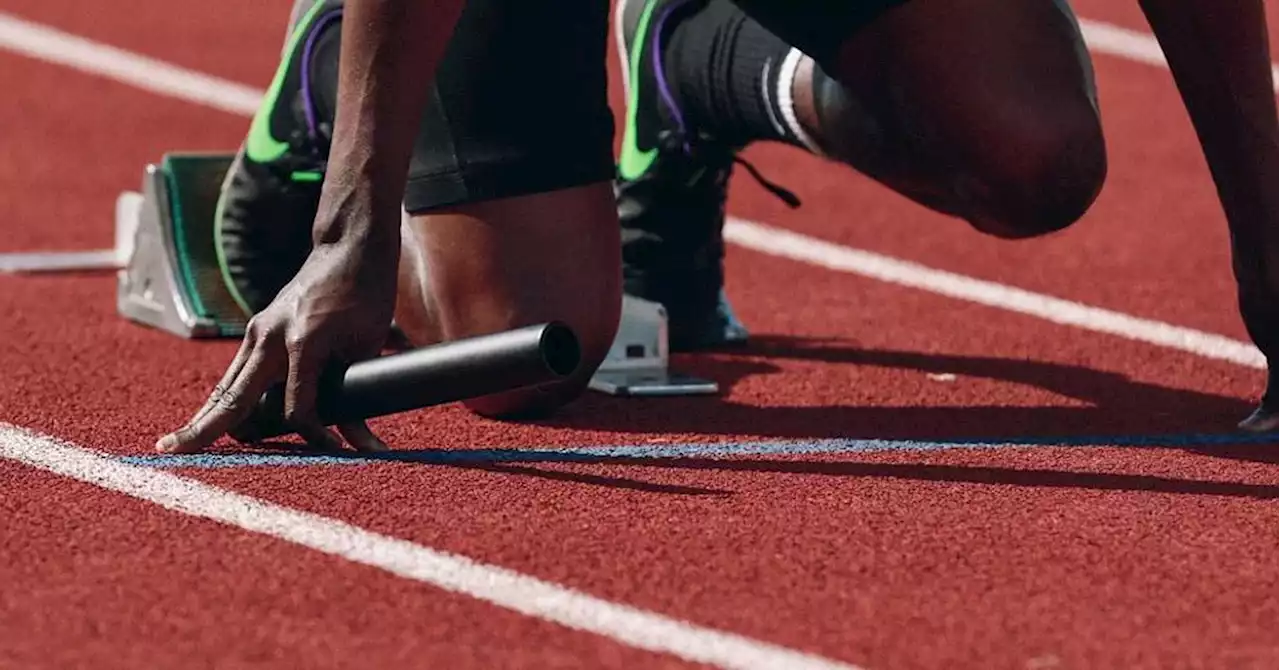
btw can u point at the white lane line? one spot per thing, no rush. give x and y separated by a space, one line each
45 43
59 261
779 242
128 209
48 44
499 586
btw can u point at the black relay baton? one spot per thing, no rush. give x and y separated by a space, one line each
467 368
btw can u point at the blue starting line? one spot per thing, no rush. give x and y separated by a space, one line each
686 450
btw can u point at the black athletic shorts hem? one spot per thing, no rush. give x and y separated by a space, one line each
519 105
495 181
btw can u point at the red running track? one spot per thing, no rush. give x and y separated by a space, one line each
1031 557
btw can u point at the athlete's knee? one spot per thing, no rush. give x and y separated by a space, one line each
1042 175
568 270
1020 168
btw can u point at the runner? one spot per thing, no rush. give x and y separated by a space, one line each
981 109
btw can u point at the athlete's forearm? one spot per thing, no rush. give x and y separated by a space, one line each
1220 59
390 51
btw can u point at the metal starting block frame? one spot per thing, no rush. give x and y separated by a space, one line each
169 278
638 363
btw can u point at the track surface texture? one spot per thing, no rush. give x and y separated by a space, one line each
892 477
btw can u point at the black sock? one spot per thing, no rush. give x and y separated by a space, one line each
323 71
724 69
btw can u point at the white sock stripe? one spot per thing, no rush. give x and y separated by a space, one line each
768 102
786 103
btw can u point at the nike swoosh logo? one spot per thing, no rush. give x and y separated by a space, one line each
634 161
261 146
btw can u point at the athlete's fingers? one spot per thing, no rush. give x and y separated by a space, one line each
306 360
317 436
360 437
232 406
307 357
1262 420
220 389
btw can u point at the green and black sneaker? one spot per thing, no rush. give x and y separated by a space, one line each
671 189
269 198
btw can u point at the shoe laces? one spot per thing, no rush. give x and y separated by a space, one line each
783 194
708 151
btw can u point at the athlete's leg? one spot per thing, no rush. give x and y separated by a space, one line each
512 210
504 263
513 216
982 109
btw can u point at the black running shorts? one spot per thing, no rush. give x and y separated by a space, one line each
520 103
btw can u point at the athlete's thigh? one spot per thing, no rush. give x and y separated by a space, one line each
981 108
958 48
818 27
1002 89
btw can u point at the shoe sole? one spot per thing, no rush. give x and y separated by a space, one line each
219 248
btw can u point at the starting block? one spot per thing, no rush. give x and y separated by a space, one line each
169 279
638 361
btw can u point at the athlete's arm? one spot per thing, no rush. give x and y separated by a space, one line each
1220 59
338 308
390 49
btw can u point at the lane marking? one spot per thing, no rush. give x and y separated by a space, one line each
499 586
658 452
795 246
49 44
59 261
